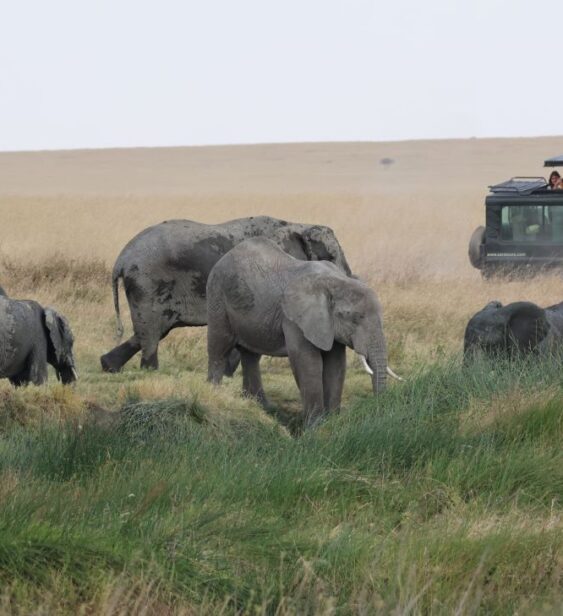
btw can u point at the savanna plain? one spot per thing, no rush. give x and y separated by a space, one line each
156 493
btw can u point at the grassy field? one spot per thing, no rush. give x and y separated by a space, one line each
157 493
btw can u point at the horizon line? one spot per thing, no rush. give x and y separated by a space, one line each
274 143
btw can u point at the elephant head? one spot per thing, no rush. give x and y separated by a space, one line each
508 330
59 346
320 244
312 243
329 308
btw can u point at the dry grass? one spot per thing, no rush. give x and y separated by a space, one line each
405 228
35 404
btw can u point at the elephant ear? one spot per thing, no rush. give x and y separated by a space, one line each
527 325
307 304
293 244
316 245
60 337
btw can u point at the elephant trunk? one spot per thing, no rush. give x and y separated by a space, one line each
67 374
369 343
377 361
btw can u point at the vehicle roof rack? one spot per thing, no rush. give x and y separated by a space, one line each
555 161
519 185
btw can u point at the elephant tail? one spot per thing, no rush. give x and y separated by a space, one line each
117 273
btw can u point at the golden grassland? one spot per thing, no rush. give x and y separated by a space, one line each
405 228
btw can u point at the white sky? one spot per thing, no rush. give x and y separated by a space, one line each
100 73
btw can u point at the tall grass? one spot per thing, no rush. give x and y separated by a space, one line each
412 501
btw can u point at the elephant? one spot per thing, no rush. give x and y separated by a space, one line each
32 337
515 329
165 269
263 301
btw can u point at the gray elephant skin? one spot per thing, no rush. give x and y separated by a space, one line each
263 301
515 329
165 269
32 337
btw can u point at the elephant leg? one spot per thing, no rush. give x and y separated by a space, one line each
307 366
220 344
115 359
17 380
251 377
148 328
334 371
35 371
149 347
232 362
149 352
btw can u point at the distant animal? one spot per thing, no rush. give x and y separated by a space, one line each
263 301
165 268
32 337
517 328
3 293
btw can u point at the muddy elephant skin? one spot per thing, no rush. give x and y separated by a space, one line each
165 269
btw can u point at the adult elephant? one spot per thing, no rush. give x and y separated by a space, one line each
32 337
517 328
263 301
165 269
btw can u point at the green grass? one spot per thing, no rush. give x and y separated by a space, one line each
443 494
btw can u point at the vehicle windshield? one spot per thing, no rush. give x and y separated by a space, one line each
532 223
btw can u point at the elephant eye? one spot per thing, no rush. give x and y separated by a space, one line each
350 315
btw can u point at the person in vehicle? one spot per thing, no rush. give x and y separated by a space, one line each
555 182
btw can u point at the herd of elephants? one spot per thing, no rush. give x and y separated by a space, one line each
262 286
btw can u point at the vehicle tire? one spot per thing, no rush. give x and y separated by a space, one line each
477 239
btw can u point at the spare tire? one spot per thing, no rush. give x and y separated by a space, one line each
477 239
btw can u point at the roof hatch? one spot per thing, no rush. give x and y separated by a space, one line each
556 161
520 185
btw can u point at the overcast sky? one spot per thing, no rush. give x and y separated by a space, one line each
99 73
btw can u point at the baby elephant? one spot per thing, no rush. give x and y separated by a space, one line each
30 337
520 327
262 301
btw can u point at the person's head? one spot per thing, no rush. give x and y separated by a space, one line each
554 178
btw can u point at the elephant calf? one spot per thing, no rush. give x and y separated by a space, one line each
520 327
31 337
262 301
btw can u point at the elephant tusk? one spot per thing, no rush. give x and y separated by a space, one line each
366 365
370 371
74 373
395 376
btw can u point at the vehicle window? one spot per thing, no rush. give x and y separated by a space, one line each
532 223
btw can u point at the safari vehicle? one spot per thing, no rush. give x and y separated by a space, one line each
523 230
